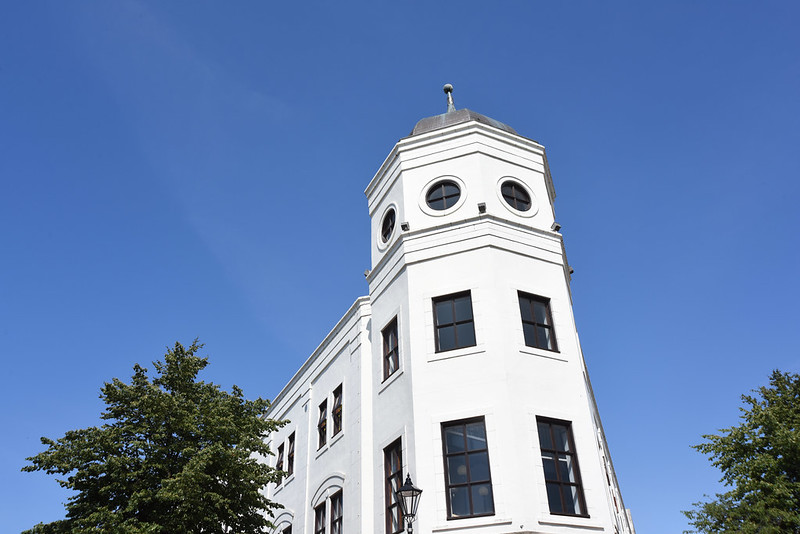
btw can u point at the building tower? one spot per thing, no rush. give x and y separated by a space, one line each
462 367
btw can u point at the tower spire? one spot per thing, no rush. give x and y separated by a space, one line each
448 89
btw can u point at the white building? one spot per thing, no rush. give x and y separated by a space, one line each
461 368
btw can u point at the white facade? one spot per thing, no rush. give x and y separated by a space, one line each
490 390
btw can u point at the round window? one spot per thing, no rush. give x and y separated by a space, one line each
443 195
387 227
515 195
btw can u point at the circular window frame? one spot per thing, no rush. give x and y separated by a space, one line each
423 197
533 210
383 245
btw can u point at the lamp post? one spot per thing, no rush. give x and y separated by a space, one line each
408 497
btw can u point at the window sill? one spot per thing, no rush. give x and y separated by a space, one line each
473 522
329 444
582 521
389 380
284 483
457 353
543 353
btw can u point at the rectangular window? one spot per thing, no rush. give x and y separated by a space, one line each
279 461
466 469
336 411
391 354
537 321
336 513
319 519
322 424
452 316
561 475
290 455
393 472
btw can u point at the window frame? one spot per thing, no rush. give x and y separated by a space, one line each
530 299
337 411
573 455
322 425
392 507
452 297
440 186
387 225
466 452
320 518
513 199
290 455
391 352
279 458
336 521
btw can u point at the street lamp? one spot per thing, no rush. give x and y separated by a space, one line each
408 497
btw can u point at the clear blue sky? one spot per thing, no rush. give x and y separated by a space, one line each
180 169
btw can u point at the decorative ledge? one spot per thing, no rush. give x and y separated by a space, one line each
466 523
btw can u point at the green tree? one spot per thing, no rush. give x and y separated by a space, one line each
760 460
176 455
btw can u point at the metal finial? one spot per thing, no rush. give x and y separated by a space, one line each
448 89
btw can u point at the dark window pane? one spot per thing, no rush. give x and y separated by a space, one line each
476 436
549 463
562 439
478 466
388 226
530 334
565 468
545 441
482 501
525 309
454 439
516 196
463 307
571 501
540 312
543 337
447 338
457 469
443 195
465 334
459 502
444 312
391 366
554 498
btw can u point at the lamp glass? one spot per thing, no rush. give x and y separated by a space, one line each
408 497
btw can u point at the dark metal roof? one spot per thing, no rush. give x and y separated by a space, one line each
458 116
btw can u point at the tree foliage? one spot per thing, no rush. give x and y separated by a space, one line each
760 460
176 455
